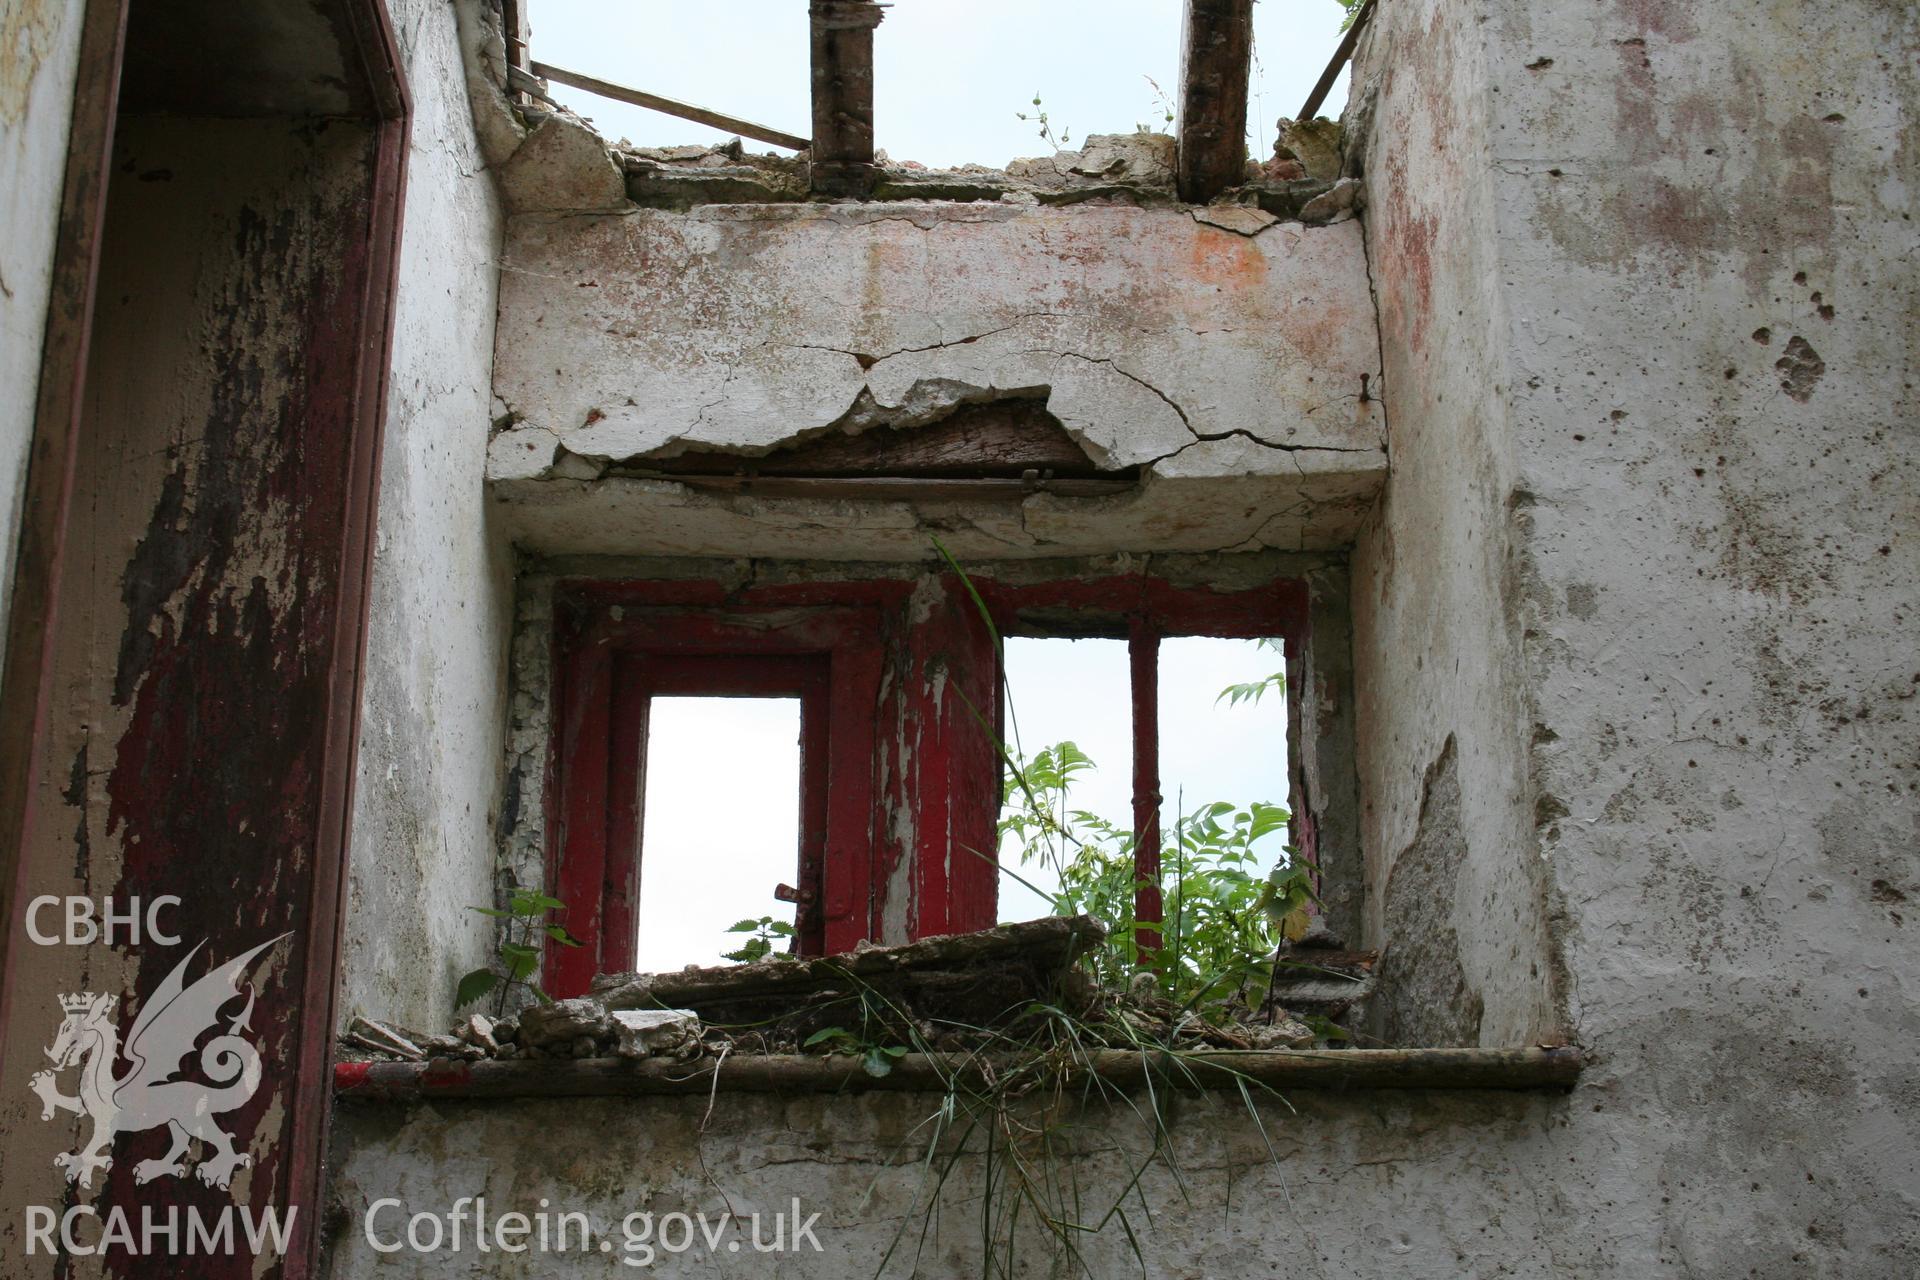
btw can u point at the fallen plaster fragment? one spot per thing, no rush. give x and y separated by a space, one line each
1242 219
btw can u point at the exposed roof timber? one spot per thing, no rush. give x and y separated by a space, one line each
841 43
1340 55
668 106
1215 56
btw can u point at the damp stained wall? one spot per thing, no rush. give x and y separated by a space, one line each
428 783
1634 619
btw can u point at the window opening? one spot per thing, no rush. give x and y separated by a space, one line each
1064 690
720 826
1151 734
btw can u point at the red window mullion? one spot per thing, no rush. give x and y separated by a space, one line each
1143 660
626 815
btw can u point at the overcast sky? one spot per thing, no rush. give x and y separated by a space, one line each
949 74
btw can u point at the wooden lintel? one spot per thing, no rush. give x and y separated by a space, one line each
903 489
842 65
1215 56
1282 1070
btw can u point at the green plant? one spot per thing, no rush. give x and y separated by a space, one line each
764 930
1022 1100
876 1042
1162 106
1251 692
1353 12
525 917
1222 919
1057 142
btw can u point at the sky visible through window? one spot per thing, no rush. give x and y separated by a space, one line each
949 74
1079 690
722 824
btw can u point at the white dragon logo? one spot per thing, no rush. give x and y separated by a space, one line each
147 1096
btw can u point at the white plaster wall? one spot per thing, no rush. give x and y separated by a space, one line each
1659 590
433 713
1439 678
1389 1184
39 53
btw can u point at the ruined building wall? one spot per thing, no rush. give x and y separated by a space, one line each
1636 731
1641 592
428 782
39 50
1441 732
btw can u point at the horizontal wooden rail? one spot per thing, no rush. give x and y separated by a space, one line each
668 106
1280 1070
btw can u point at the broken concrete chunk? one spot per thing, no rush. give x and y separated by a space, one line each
379 1036
477 1031
546 1026
563 165
1146 159
642 1033
1337 199
1315 144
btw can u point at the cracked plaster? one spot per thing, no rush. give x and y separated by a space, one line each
1159 340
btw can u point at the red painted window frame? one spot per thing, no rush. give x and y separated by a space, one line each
618 647
1144 609
912 710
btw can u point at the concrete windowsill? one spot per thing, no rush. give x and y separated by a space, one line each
1509 1069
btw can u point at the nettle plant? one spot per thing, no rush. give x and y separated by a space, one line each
766 933
518 951
1223 917
1223 920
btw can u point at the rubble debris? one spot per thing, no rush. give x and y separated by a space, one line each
1131 169
1314 143
957 993
1320 982
1330 204
380 1038
542 1026
642 1033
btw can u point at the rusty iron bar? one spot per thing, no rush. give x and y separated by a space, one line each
668 106
1539 1068
1340 57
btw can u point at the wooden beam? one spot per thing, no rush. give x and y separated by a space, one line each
1282 1070
842 61
1215 56
668 106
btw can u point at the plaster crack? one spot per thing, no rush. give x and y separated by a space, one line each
1136 378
